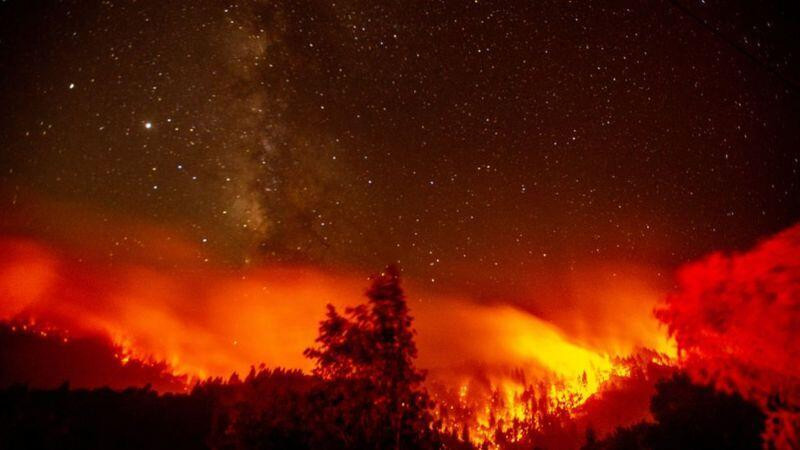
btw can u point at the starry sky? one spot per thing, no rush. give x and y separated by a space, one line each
482 145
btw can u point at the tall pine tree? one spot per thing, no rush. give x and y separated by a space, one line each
370 350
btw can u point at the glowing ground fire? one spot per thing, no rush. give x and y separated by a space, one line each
490 366
205 323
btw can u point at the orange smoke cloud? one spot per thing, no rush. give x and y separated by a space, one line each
207 321
202 321
158 297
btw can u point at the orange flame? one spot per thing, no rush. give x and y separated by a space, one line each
205 321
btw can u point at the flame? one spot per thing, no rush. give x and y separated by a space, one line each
211 321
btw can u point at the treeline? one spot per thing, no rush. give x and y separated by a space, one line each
45 358
365 393
277 409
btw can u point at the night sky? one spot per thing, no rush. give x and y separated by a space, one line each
482 145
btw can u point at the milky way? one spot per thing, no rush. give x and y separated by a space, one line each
481 145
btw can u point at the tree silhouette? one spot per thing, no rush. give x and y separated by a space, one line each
369 353
691 416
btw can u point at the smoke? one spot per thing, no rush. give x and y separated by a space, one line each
205 320
736 320
151 296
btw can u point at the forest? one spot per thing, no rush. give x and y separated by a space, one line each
365 392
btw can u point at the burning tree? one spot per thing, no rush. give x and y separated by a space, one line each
736 320
368 355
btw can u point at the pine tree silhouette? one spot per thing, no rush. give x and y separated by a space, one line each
372 347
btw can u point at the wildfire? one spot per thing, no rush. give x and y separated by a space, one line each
490 366
485 405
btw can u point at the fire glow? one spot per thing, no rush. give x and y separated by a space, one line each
210 322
